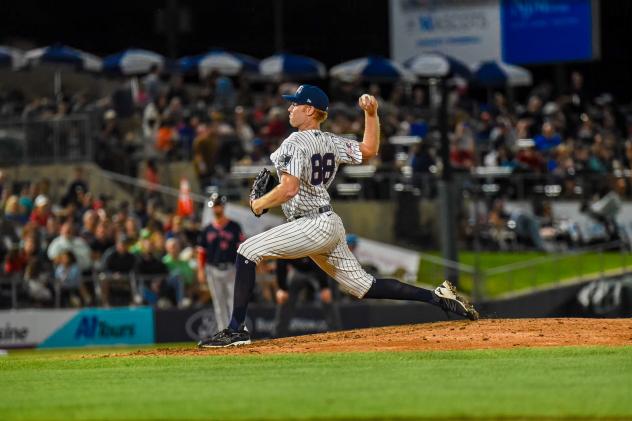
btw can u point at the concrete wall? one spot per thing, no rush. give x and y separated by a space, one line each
61 175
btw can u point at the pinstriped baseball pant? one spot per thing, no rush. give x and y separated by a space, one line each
323 239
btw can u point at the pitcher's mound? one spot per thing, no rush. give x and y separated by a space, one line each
455 335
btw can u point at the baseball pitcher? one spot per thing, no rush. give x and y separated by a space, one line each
307 162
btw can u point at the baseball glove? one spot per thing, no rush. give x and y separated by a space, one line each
264 182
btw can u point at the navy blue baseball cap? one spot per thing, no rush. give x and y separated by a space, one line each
309 95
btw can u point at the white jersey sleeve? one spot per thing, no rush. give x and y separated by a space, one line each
348 150
289 158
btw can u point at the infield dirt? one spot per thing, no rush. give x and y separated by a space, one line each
454 335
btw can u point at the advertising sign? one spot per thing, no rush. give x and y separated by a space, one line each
465 29
119 326
548 31
28 328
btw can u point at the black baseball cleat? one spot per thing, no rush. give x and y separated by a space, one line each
226 338
450 301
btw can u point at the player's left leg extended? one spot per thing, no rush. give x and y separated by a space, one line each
343 266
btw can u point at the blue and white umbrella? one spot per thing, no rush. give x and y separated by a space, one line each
132 62
436 65
63 55
220 61
497 74
289 65
373 67
11 57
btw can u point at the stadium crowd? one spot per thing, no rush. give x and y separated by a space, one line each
84 249
221 121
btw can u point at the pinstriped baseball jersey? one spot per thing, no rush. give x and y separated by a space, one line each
313 157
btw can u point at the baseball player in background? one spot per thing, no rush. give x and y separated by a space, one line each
217 251
306 163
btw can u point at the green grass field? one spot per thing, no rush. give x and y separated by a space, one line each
558 383
561 267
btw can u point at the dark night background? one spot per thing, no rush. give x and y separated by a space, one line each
329 30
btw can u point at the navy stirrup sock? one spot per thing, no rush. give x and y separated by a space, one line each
394 290
244 284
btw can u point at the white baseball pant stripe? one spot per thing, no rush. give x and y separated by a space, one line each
323 239
222 286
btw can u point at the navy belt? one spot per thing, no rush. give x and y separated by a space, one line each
322 209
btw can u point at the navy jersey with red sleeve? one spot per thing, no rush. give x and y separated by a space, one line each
220 243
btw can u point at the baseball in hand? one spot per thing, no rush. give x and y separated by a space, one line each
368 104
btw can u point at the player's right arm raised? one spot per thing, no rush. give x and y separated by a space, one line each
371 142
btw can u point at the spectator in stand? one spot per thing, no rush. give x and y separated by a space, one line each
186 237
548 139
225 96
102 241
187 131
243 130
151 273
67 241
77 186
90 221
205 149
276 128
14 212
140 211
181 276
42 212
37 272
50 232
166 137
26 197
529 160
462 151
68 280
177 89
117 264
152 82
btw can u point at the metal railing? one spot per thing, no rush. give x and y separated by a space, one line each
57 140
612 259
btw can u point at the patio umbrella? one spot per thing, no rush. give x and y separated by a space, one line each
436 65
497 73
371 68
60 56
224 62
290 65
132 62
11 57
63 55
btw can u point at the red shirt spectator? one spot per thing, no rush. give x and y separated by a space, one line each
41 213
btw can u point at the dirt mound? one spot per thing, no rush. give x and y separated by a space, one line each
455 335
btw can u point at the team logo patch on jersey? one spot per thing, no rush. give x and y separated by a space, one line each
284 160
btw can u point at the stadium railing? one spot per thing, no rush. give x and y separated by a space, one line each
57 140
